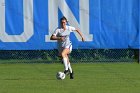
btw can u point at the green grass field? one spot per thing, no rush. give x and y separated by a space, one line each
89 78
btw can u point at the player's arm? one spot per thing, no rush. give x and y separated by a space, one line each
54 37
79 32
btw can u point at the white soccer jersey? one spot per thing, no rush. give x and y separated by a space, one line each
59 32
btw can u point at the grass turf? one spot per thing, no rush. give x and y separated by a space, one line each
89 78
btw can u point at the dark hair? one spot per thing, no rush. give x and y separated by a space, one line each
63 18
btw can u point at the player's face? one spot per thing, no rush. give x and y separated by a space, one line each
63 23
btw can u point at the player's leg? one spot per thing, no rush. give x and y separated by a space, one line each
69 64
70 70
64 54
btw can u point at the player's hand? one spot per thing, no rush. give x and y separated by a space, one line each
83 39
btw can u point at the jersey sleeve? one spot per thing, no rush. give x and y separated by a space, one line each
55 32
72 28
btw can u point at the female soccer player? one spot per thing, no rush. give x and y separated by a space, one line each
61 34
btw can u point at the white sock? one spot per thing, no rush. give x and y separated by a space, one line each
65 63
69 66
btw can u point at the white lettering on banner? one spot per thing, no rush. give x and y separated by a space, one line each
62 5
28 23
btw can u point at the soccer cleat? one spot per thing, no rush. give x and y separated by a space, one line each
72 75
66 72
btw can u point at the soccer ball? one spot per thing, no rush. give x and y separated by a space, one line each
60 75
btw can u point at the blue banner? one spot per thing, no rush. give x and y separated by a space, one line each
105 24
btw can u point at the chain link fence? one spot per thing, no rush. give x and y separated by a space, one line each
77 56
